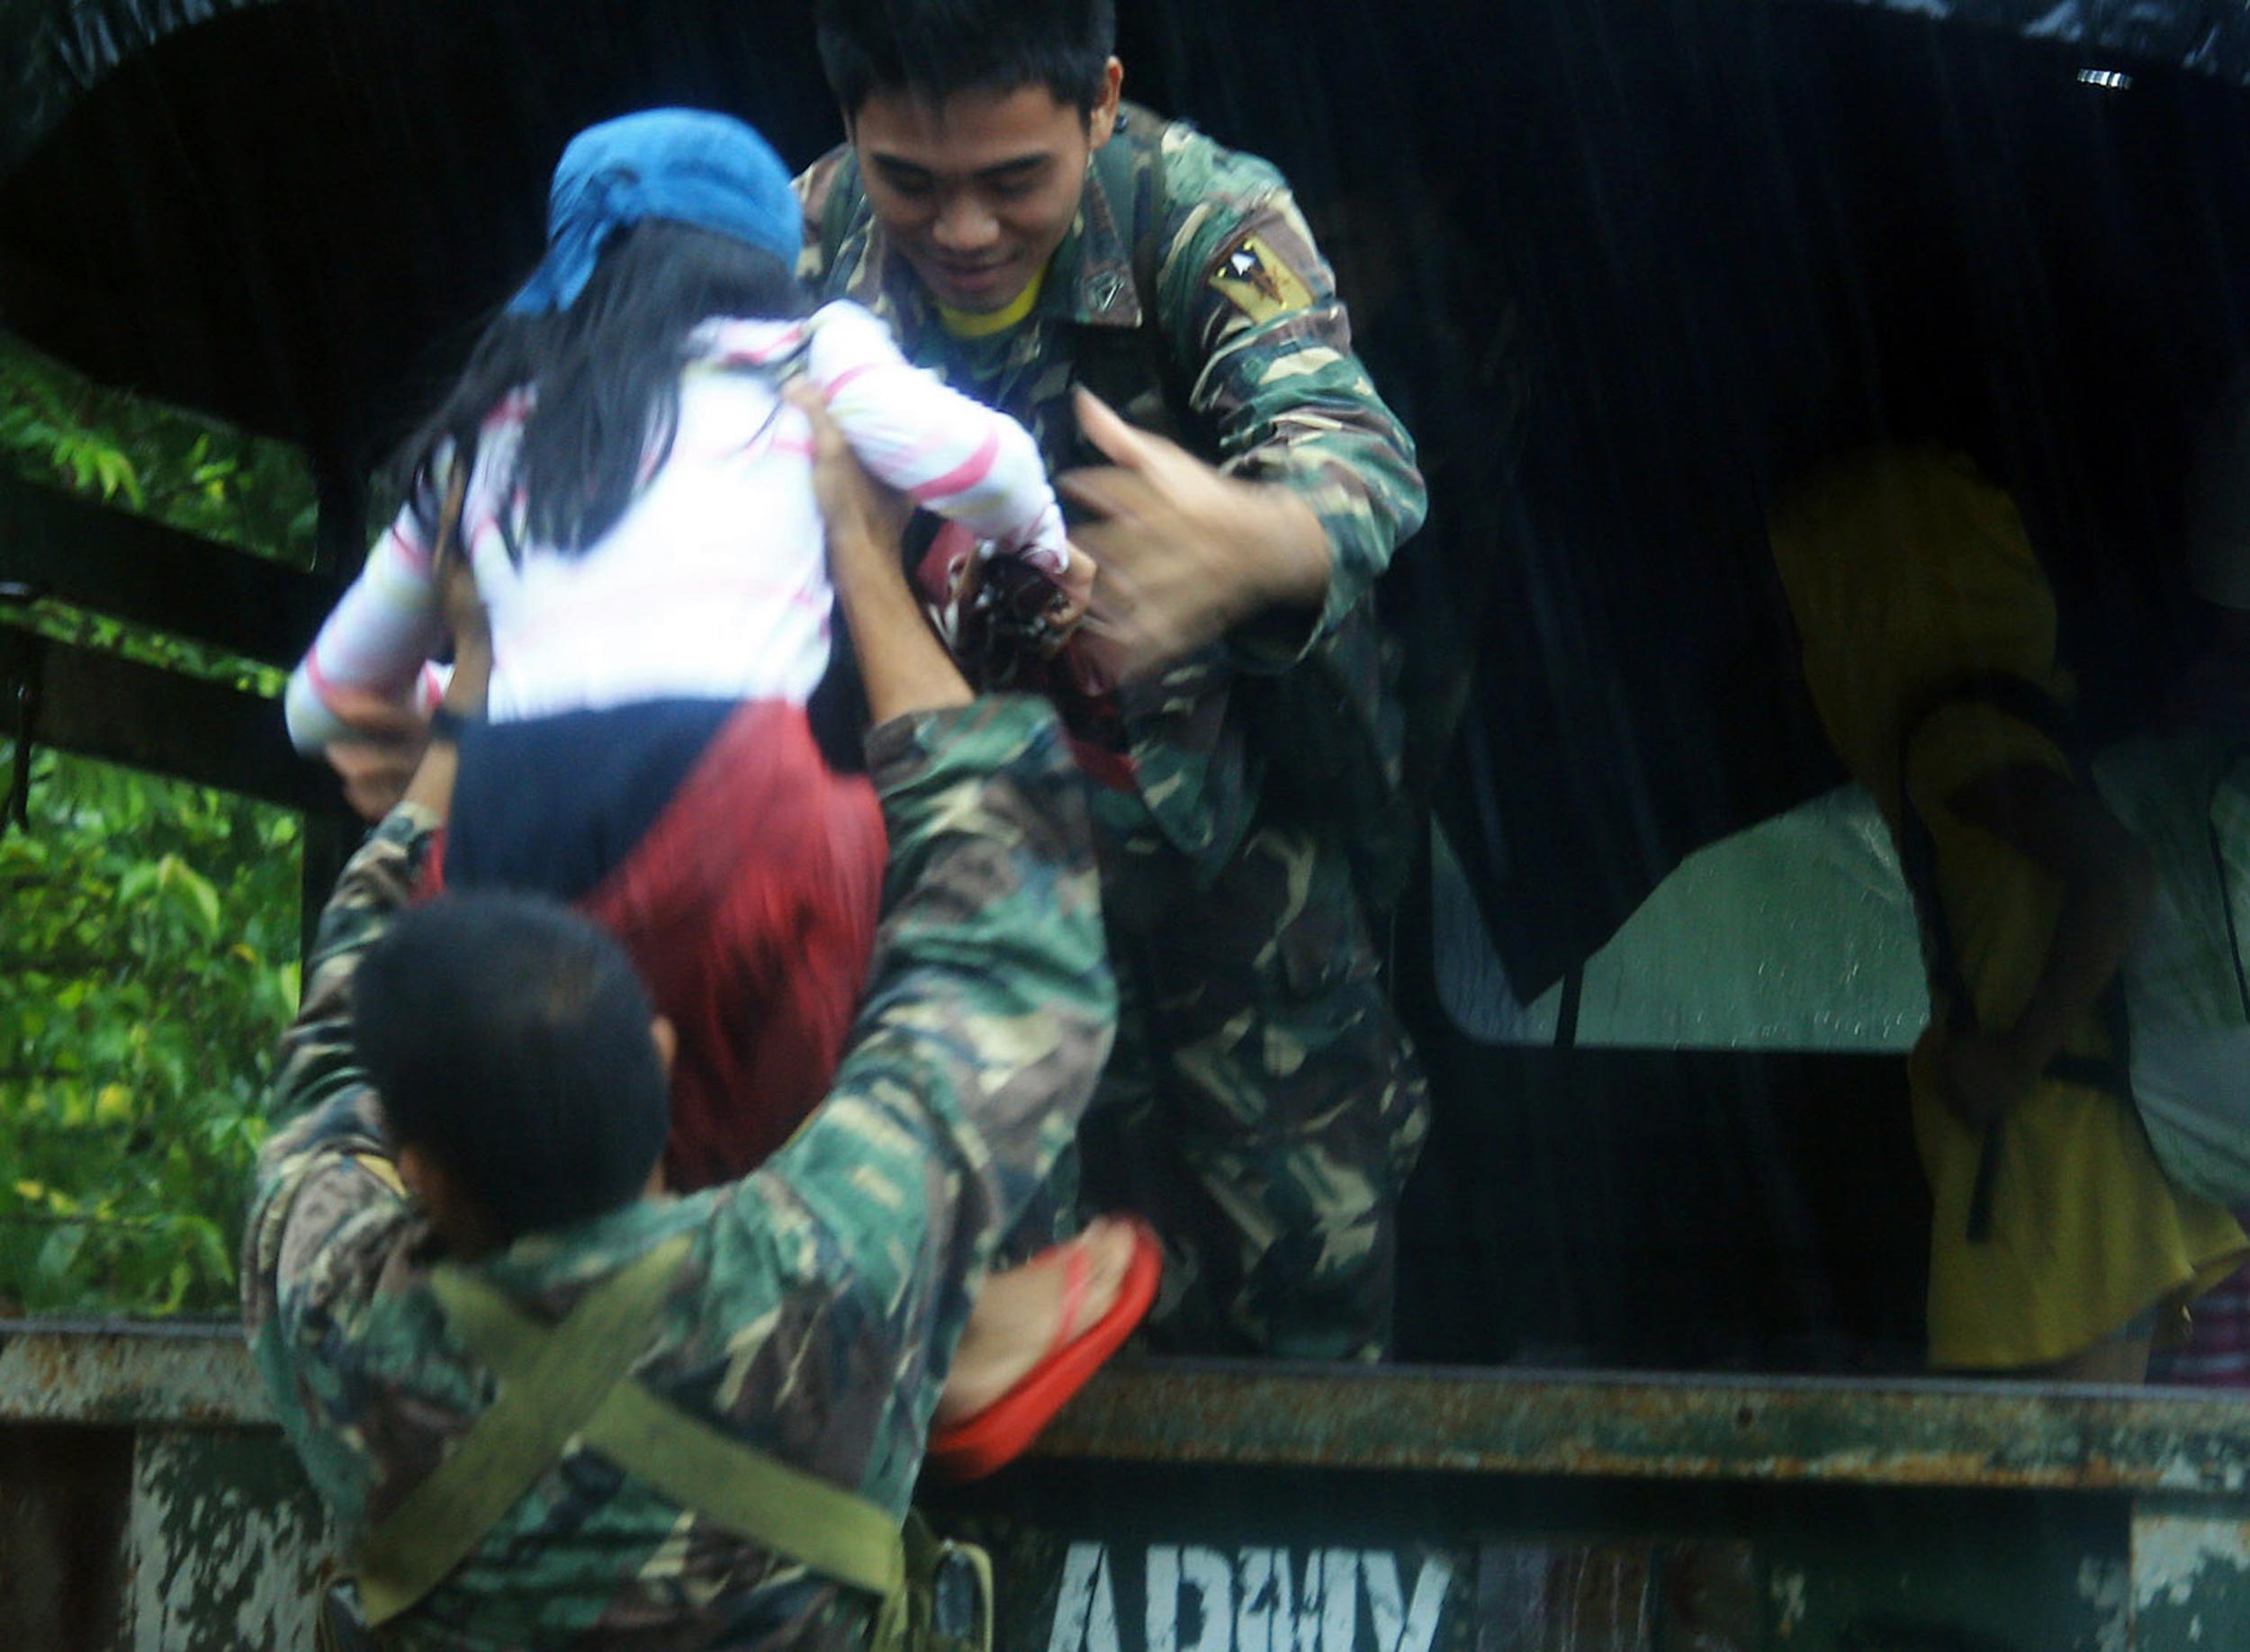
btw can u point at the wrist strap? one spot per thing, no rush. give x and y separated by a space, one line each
449 725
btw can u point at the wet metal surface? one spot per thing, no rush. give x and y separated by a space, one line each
225 1542
1408 1511
2191 1577
2014 1435
115 1371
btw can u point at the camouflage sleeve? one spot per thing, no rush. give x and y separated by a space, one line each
989 1010
316 1058
323 1112
812 186
1245 295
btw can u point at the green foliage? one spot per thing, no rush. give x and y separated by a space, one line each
66 624
151 460
147 957
148 928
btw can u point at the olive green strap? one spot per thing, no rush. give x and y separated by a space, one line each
572 1380
781 1509
845 197
541 1403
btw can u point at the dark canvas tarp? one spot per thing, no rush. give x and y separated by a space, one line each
2211 36
1743 241
55 52
293 214
1710 233
58 51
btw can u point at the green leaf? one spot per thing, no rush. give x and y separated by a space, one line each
117 476
191 892
137 885
61 1251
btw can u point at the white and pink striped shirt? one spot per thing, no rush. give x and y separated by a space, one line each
713 583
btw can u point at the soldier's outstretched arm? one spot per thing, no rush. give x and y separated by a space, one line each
990 1005
1316 484
903 666
322 1110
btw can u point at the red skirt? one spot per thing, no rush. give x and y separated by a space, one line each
750 909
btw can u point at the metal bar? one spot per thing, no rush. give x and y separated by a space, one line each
2023 1435
134 570
1775 1429
131 1376
100 705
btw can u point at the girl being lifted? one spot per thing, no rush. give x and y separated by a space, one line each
630 486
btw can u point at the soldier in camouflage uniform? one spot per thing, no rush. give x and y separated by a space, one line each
1028 236
820 1300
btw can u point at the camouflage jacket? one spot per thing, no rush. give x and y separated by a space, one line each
817 1311
1190 296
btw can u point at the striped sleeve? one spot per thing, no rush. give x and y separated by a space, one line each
946 452
378 640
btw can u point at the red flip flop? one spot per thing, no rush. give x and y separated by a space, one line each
1003 1431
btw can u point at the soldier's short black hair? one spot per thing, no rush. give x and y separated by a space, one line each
508 1039
933 49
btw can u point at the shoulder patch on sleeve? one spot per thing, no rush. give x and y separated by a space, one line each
1257 282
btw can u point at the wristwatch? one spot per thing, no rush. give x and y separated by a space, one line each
449 725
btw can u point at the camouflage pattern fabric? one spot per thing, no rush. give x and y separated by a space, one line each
816 1313
1264 1109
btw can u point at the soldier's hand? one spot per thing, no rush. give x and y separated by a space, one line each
382 753
1184 552
862 517
463 606
903 666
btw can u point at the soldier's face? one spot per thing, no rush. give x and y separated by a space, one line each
978 190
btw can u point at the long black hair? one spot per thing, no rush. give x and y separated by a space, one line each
606 373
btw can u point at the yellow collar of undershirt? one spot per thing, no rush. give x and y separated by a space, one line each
968 324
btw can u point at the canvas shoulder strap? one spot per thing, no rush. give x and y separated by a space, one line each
844 200
2032 706
1145 130
1132 172
541 1404
549 1380
798 1515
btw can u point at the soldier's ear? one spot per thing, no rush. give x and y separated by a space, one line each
1102 118
459 1219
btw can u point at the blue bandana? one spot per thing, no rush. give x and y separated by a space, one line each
684 164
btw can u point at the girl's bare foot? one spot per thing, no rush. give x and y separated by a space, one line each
1017 1317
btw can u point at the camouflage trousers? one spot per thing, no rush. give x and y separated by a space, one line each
1263 1107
